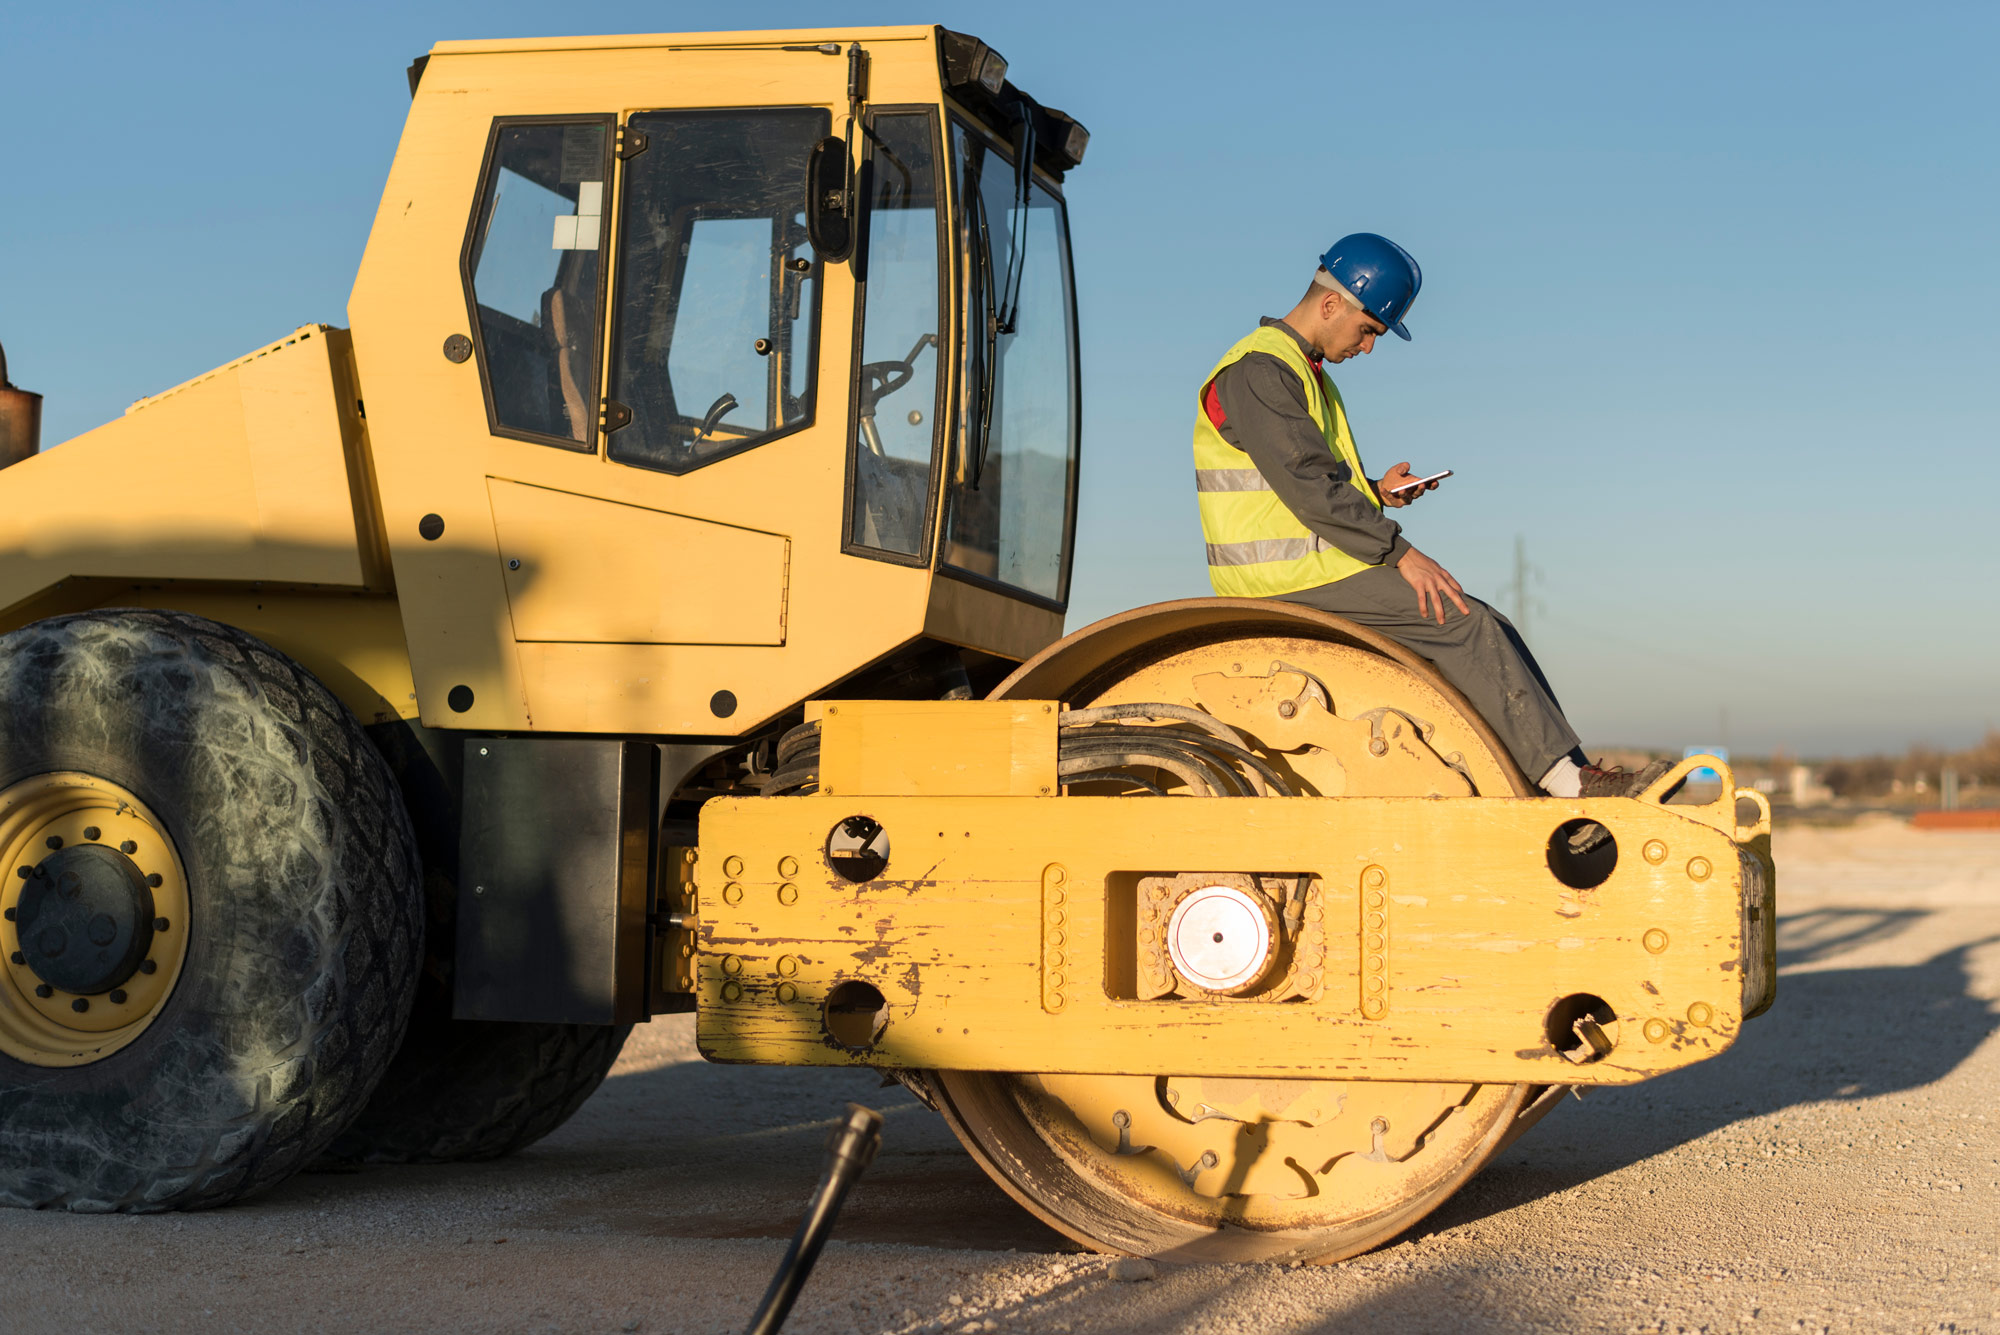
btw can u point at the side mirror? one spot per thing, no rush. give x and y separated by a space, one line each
830 200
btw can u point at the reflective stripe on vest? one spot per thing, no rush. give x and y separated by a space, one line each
1229 479
1256 547
1263 550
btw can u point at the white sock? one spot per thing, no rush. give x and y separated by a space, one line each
1564 779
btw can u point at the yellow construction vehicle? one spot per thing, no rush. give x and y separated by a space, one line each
653 602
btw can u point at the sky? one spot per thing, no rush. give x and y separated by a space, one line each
1706 325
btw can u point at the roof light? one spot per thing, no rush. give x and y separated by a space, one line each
992 71
1075 143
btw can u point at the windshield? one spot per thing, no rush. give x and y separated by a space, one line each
1009 508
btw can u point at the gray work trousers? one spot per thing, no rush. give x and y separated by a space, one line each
1481 654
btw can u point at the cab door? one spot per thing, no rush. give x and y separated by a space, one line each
607 383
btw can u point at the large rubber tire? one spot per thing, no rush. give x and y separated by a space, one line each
304 931
463 1089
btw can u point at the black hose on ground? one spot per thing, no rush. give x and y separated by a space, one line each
849 1149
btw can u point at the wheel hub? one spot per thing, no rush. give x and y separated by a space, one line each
85 919
94 918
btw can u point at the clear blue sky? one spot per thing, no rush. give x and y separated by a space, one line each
1708 314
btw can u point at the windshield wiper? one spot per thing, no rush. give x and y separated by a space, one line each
1003 308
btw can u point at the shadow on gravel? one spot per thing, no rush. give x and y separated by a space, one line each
1835 1035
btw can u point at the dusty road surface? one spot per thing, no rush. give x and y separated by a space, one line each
1838 1170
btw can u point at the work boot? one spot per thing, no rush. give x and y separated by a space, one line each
1617 781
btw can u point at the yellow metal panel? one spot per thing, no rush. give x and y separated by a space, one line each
297 463
890 746
598 572
240 474
1485 940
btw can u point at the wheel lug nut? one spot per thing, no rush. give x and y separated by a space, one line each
159 924
19 958
128 848
10 915
44 991
118 996
147 966
54 841
154 880
79 1005
26 872
91 832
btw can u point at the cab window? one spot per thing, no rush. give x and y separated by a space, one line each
1010 506
897 399
532 268
718 290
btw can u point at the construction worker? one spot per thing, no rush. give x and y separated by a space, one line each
1290 513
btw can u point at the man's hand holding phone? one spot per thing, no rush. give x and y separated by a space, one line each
1398 488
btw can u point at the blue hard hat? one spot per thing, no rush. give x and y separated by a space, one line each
1381 275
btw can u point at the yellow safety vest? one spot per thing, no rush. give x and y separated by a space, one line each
1256 547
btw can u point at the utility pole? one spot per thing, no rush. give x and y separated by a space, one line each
1517 589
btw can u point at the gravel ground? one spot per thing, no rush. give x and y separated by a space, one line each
1836 1171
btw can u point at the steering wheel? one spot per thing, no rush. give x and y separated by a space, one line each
881 379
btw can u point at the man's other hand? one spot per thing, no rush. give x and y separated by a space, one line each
1432 582
1396 477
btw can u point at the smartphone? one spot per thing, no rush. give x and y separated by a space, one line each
1418 482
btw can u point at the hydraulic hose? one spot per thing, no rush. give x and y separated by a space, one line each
849 1150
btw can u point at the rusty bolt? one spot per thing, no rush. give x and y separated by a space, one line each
1287 708
91 832
1379 746
128 848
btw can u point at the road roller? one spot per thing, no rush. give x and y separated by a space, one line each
651 601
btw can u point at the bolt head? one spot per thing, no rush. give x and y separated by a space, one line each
54 841
128 848
80 1005
118 996
148 966
160 924
44 991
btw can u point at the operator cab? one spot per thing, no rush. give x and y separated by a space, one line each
788 371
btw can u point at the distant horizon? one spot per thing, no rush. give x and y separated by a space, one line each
1701 317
